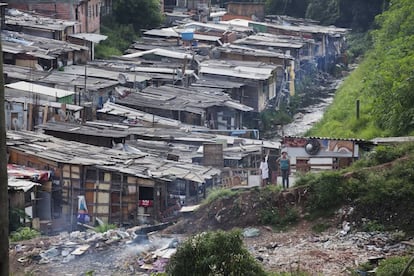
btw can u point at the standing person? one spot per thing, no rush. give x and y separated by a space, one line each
264 170
284 166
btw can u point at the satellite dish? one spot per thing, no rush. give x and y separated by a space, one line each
122 78
312 146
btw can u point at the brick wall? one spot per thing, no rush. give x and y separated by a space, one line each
247 9
87 13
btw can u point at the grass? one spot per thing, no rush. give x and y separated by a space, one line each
218 193
24 233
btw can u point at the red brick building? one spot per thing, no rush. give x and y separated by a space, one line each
87 12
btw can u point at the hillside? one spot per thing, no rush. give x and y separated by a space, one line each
383 83
329 223
378 188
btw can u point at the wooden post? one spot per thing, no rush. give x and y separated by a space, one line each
45 113
30 121
187 191
357 109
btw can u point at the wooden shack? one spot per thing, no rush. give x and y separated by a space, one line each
120 187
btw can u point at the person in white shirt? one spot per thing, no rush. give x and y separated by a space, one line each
264 170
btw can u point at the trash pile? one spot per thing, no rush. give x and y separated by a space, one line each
334 252
115 251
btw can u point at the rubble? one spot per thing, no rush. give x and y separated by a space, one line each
327 253
114 251
119 252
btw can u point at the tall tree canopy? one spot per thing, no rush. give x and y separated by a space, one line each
391 81
141 14
295 8
383 82
355 14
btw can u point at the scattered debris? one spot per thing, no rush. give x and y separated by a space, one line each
251 232
109 252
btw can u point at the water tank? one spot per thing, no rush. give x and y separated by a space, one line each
187 35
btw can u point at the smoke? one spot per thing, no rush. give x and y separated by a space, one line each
142 244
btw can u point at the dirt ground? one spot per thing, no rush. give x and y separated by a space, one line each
336 251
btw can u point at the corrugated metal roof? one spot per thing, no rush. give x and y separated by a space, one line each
35 21
23 73
138 164
164 32
253 52
161 52
309 28
238 106
62 79
92 37
232 72
191 99
9 98
171 32
165 70
40 89
20 184
328 138
241 69
392 140
267 40
83 129
205 81
119 110
39 45
102 73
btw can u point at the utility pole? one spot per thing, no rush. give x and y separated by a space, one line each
4 198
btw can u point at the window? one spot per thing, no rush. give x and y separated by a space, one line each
146 193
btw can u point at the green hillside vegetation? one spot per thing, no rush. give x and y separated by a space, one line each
376 192
383 83
378 187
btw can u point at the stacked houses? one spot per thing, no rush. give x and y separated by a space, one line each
138 136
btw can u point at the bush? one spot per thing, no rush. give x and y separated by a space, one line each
325 191
372 226
358 44
24 233
17 217
393 266
119 38
102 228
270 118
214 253
273 216
218 193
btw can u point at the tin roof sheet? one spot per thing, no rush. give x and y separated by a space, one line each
40 89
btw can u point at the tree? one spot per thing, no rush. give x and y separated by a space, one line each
295 8
325 11
214 253
356 14
4 200
141 14
391 81
384 82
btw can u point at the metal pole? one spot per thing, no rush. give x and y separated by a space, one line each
357 109
4 198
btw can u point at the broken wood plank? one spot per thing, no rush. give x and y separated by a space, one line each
80 250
